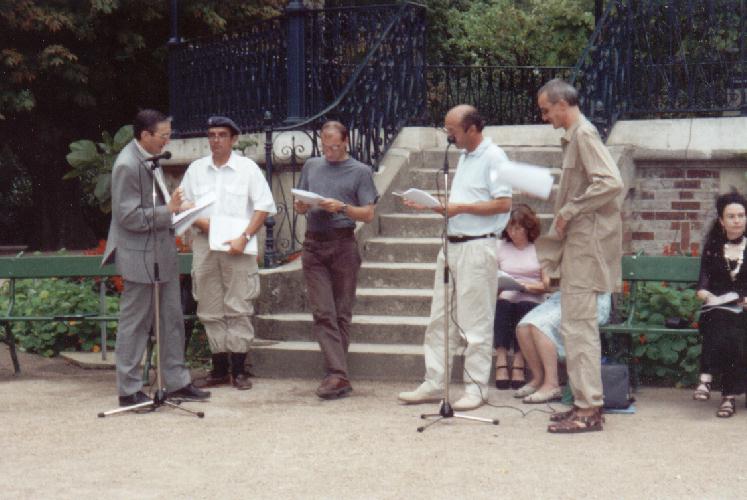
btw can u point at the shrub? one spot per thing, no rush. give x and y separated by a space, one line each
660 357
54 296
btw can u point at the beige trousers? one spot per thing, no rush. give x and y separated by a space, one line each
224 287
473 286
580 333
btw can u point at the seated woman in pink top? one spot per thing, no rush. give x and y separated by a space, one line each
517 257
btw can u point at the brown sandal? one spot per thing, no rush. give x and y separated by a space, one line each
577 424
562 415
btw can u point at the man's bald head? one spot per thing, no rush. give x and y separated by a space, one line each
467 116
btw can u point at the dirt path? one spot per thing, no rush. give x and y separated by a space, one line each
279 441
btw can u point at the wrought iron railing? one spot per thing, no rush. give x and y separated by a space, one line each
381 94
665 59
505 95
238 74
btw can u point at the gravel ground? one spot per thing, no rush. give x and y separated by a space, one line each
279 441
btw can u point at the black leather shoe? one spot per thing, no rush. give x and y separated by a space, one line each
189 392
134 399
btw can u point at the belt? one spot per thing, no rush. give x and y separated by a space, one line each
462 239
331 235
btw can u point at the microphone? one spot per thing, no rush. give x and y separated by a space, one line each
451 139
163 156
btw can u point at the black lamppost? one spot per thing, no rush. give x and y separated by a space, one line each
296 61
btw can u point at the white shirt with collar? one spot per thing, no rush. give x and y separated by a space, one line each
157 173
240 187
478 179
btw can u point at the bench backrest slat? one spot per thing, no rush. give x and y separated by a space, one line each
677 269
66 266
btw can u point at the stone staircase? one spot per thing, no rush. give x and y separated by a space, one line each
395 283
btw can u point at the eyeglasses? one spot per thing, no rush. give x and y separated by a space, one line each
219 136
333 147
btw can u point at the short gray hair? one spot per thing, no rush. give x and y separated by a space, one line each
557 90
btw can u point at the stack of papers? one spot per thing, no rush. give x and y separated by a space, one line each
224 228
507 283
727 302
420 197
531 179
184 220
307 197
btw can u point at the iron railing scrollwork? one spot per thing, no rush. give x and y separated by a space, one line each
659 59
382 93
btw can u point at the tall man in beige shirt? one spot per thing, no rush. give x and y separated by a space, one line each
583 249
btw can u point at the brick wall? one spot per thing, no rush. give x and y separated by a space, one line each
670 205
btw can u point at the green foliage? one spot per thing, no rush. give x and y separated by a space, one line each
507 32
92 163
661 357
40 297
70 70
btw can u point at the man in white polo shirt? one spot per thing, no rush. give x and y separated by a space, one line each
225 283
478 209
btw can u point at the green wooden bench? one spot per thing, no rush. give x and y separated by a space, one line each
62 266
638 269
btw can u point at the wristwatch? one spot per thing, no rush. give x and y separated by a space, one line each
344 209
248 236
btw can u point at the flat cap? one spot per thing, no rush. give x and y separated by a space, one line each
223 121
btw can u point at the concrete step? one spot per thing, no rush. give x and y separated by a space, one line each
371 329
393 301
421 224
397 275
297 359
430 225
386 249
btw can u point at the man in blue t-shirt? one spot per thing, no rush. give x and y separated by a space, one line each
330 253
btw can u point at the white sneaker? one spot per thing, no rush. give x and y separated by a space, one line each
420 395
468 402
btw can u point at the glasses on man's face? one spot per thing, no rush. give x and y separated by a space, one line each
218 136
164 136
333 147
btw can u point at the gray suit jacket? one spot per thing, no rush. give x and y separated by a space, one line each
130 242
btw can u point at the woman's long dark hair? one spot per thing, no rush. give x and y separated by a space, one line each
716 236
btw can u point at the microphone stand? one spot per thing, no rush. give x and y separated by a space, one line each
159 398
445 410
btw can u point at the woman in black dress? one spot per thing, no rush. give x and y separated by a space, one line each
724 329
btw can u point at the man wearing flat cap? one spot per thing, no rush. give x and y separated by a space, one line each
225 283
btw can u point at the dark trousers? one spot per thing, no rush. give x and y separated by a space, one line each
330 269
724 350
507 316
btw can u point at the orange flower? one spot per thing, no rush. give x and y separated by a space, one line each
642 339
118 283
626 287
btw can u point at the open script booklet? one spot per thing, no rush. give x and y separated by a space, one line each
727 302
419 196
225 228
507 283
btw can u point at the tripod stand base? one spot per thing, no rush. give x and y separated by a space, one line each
446 411
158 401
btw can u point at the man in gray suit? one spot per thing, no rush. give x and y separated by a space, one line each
132 247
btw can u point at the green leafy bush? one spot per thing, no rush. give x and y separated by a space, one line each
92 163
40 297
665 358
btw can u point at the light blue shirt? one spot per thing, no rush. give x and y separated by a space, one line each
477 179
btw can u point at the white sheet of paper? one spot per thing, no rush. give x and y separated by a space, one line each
307 197
507 283
531 179
224 228
184 220
419 196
